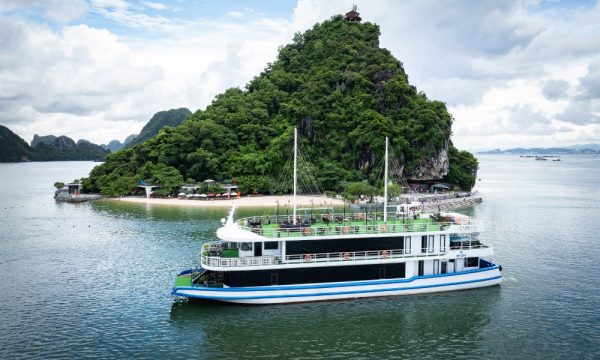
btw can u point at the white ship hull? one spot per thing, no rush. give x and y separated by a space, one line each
347 290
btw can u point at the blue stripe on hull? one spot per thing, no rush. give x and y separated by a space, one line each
322 294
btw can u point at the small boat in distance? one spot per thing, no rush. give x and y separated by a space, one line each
317 254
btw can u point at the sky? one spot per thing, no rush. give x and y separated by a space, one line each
512 73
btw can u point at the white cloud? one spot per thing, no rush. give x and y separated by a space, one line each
88 82
590 83
555 89
154 5
61 11
236 14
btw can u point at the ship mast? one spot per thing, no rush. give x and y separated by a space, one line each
385 185
295 172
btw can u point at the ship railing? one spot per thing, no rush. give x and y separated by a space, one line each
216 261
345 229
337 257
468 246
337 217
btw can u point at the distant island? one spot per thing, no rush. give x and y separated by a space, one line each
116 145
173 117
62 148
569 150
46 148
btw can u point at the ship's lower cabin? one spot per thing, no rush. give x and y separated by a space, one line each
327 274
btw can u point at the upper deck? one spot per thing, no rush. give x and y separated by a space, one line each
313 226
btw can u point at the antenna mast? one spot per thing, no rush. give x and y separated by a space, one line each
385 186
295 172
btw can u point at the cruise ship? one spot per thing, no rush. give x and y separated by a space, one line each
318 254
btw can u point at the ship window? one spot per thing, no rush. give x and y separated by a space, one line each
246 246
436 266
424 243
407 245
471 262
430 243
421 268
271 245
442 243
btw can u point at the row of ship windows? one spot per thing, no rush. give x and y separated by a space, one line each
427 244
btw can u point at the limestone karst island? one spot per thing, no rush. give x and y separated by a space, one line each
342 91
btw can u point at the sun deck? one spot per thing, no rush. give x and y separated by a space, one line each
338 224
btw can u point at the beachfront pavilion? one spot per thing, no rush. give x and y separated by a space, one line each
229 188
148 187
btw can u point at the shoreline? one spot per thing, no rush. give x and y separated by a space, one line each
257 201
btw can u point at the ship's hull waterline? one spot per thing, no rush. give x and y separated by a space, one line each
346 290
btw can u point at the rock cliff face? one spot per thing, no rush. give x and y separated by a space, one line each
433 168
48 140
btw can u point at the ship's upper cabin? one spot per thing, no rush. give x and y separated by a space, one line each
316 223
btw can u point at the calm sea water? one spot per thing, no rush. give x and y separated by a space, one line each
94 280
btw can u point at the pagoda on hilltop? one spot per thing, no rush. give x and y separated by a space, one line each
353 14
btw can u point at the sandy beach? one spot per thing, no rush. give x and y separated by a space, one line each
255 201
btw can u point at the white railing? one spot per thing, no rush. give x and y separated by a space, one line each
348 256
343 229
216 261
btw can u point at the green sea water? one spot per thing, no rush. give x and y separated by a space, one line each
93 280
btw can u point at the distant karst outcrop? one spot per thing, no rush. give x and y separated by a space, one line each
46 148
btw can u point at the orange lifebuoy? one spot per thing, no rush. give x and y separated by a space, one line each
346 229
346 256
307 231
307 257
385 253
383 228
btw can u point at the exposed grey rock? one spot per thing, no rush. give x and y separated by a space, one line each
433 168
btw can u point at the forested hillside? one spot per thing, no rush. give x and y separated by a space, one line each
12 147
342 91
173 117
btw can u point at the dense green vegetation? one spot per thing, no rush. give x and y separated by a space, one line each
57 151
48 148
12 147
173 117
333 82
463 168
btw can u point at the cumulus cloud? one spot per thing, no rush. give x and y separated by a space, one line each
555 89
524 119
590 83
581 112
79 71
61 11
88 81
